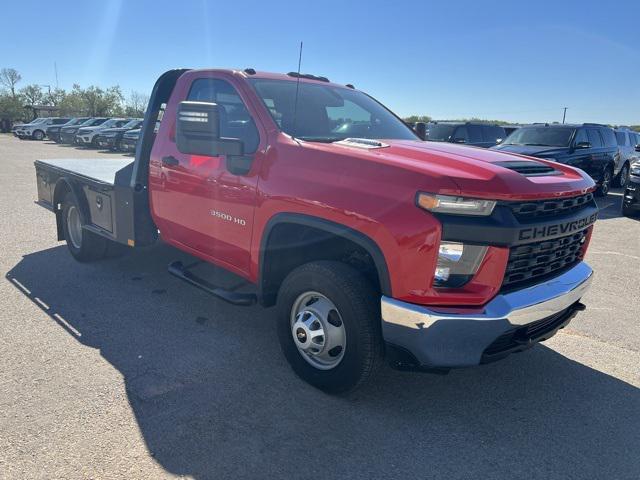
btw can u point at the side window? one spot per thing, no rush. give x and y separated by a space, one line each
460 133
581 136
635 139
491 133
608 137
235 120
594 138
475 133
621 137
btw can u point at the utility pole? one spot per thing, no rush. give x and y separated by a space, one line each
564 115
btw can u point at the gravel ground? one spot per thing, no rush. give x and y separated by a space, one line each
118 370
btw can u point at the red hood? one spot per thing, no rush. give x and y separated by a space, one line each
475 171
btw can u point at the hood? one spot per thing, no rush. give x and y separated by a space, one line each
472 171
91 129
133 133
115 130
532 150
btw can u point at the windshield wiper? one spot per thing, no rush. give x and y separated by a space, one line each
537 145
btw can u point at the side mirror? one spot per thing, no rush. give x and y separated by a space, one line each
581 145
498 141
198 131
638 148
459 140
421 130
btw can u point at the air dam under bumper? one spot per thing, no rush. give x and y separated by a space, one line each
448 338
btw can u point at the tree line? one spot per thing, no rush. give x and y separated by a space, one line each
91 101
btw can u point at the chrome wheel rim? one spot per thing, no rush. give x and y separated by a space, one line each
606 180
318 330
74 226
624 174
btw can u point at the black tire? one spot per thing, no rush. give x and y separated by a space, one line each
89 246
623 176
358 304
629 212
38 135
605 183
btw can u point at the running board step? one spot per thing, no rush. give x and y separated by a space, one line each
242 299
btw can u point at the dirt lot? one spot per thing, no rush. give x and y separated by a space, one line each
118 370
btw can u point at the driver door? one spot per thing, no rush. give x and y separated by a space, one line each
202 205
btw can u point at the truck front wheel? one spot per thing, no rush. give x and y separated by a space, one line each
85 246
329 325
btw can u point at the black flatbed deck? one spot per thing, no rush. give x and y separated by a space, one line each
97 170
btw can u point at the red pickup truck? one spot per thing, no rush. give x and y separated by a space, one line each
371 242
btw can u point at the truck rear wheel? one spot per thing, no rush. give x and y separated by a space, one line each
329 326
85 246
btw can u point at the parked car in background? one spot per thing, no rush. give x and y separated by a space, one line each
68 134
590 146
111 138
631 197
130 140
627 154
19 126
38 131
53 132
468 133
87 136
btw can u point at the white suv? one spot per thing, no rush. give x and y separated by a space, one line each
87 135
37 129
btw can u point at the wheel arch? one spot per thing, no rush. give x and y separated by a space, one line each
63 186
272 271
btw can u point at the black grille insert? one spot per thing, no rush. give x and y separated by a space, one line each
548 208
530 262
527 335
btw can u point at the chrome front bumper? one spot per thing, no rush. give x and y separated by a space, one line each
442 337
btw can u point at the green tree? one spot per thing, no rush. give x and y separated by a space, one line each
32 94
11 107
417 118
9 78
136 104
99 102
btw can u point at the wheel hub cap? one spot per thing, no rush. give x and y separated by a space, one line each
318 331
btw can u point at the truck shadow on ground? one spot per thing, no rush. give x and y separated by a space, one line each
214 398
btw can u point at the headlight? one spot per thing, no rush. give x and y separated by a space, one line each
455 205
457 264
72 130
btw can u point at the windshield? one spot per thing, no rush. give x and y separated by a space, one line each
113 122
327 113
131 124
541 136
439 132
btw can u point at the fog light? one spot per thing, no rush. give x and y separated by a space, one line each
457 263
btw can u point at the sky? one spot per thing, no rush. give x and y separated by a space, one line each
520 61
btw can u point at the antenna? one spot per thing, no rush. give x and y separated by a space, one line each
295 102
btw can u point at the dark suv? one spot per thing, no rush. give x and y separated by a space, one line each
476 134
590 146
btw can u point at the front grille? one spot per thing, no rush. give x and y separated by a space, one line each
531 262
549 208
526 335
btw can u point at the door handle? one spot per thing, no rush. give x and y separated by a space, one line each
170 161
